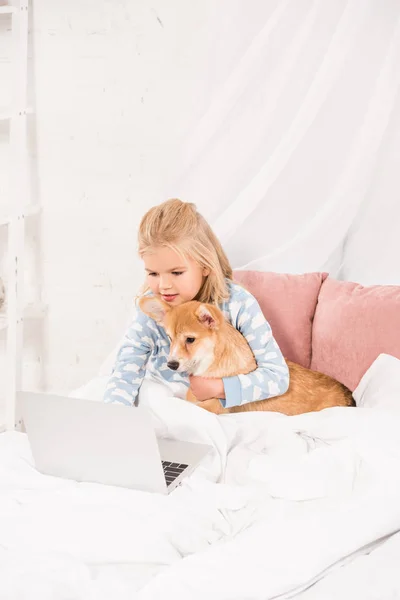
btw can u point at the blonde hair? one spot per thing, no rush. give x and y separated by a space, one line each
177 225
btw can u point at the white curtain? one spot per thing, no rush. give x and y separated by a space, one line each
295 161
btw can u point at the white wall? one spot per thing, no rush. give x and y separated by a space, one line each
115 86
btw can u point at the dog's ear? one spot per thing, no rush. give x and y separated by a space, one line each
154 308
207 316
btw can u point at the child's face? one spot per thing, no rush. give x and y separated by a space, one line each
172 278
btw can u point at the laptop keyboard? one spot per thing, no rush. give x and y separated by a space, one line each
172 470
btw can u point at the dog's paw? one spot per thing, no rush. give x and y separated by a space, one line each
190 397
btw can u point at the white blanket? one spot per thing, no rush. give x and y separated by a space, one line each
280 505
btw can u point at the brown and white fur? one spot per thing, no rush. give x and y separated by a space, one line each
216 349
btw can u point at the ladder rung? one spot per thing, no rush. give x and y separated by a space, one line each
5 114
28 210
8 113
36 310
7 10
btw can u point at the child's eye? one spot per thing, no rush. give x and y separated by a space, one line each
190 340
173 273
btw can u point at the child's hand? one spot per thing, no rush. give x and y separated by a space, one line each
205 388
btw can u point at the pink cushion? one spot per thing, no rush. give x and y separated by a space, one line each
288 303
352 326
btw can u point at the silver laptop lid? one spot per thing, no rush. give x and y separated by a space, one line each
87 440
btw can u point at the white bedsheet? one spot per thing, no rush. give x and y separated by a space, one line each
281 505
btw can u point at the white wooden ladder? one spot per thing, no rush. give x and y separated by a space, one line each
14 218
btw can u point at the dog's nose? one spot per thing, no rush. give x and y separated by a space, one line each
173 364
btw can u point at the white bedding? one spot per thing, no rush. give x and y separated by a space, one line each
283 503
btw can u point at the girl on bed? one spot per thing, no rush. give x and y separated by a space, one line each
184 261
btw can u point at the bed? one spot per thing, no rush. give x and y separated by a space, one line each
305 507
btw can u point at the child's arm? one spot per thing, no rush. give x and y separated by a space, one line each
130 364
271 378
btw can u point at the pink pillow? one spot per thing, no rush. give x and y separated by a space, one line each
352 326
288 303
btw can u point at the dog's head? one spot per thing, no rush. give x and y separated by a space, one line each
191 328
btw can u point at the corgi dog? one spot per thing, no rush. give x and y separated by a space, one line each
203 343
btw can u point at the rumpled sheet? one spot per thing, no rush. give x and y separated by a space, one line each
282 505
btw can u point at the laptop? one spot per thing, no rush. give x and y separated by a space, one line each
112 444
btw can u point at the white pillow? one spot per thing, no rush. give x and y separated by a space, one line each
380 386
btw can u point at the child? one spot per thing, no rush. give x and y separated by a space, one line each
184 261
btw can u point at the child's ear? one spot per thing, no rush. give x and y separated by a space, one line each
154 308
207 316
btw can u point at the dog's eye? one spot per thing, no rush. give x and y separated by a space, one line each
190 340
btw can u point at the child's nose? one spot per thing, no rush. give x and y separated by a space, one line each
165 283
173 364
